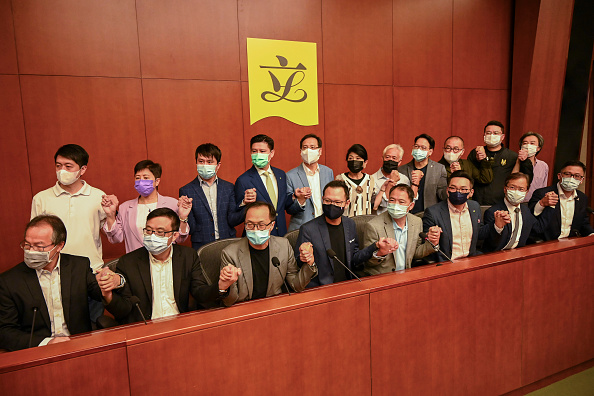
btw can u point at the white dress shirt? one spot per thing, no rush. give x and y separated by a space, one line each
380 179
313 179
162 282
52 293
210 191
461 231
567 210
142 212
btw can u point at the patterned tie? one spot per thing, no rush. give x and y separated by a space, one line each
515 232
270 189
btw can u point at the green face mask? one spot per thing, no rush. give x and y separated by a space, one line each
260 160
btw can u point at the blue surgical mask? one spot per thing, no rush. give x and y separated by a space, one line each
257 237
419 155
260 160
206 171
457 198
569 184
397 211
156 244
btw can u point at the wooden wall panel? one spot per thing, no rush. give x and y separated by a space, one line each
481 43
257 356
8 60
423 43
472 109
15 168
180 115
357 42
454 335
182 39
422 110
71 37
558 324
357 114
271 19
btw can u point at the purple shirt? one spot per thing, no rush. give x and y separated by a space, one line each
539 180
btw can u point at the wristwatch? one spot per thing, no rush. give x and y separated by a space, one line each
122 281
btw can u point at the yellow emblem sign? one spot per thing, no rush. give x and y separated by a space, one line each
503 162
283 80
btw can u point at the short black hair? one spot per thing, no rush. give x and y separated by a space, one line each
153 167
337 184
517 176
311 135
59 234
262 138
165 212
574 163
208 150
357 149
494 123
403 187
73 152
428 138
538 137
461 173
259 204
453 137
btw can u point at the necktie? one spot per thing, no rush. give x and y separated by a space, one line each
270 189
516 230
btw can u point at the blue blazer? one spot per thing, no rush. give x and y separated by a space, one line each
201 220
439 214
316 232
580 223
296 178
496 241
285 202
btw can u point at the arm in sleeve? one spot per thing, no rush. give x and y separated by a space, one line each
370 237
120 306
527 168
442 184
116 234
233 295
292 205
297 277
200 289
483 173
235 214
192 223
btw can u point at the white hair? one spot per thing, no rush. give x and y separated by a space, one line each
394 146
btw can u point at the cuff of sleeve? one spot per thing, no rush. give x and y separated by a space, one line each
538 209
45 341
375 256
499 230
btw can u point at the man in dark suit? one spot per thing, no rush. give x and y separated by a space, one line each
334 231
50 286
520 223
265 183
564 207
214 210
458 219
161 275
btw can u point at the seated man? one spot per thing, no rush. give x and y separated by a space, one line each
458 218
334 231
253 259
50 286
162 275
397 223
510 222
563 205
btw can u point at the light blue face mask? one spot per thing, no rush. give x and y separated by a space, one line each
260 160
397 211
206 171
156 244
257 237
419 155
569 184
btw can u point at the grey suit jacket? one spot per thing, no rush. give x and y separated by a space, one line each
436 181
381 227
238 254
296 178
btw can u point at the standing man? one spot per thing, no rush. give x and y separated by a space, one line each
563 205
428 178
214 213
398 224
502 162
312 177
388 176
255 257
453 150
337 232
265 183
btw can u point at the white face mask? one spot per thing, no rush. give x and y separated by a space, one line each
515 197
492 140
38 260
309 156
569 184
156 244
67 178
532 149
451 156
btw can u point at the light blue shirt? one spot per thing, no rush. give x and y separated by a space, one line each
401 236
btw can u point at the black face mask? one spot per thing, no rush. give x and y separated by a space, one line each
332 212
355 166
390 166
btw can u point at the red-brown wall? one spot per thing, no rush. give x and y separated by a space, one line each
135 79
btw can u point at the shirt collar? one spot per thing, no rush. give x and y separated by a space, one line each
40 271
309 172
509 206
562 193
204 183
262 171
155 261
84 190
454 210
396 226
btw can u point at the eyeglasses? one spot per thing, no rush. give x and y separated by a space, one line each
27 246
259 226
575 176
489 133
461 190
516 188
448 149
161 233
335 203
417 147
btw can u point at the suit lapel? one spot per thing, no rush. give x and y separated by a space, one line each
144 267
447 222
133 212
412 236
325 237
281 185
177 269
65 283
389 229
576 221
303 178
272 271
259 185
200 194
32 282
245 261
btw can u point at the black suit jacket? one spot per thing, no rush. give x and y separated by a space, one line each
187 279
580 223
20 292
496 241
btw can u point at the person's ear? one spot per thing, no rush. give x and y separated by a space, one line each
157 181
83 169
470 194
